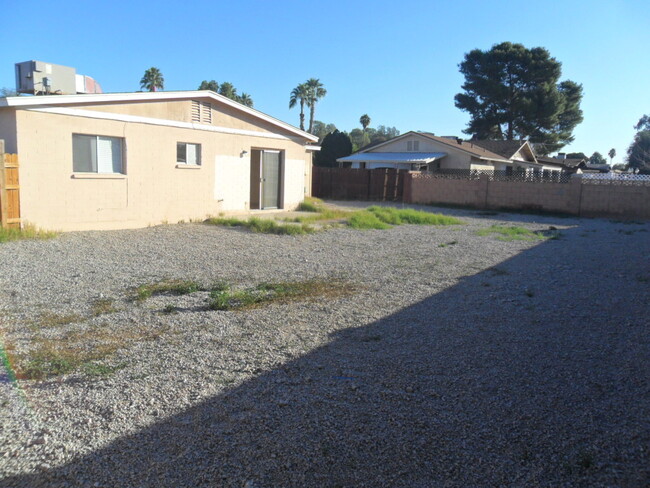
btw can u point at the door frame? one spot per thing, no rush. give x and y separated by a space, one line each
259 189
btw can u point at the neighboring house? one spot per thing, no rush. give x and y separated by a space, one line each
576 166
134 159
425 151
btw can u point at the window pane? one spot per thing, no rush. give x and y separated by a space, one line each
181 153
84 156
191 153
109 155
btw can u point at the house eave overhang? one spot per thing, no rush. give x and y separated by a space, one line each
59 100
394 158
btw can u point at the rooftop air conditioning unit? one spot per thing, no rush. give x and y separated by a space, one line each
39 78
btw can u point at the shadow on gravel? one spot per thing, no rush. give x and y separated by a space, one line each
535 375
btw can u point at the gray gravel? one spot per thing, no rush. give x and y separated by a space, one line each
476 363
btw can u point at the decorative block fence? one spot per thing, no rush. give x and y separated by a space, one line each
621 197
618 196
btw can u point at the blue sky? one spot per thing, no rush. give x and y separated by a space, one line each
396 61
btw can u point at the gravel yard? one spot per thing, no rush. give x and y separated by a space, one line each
452 359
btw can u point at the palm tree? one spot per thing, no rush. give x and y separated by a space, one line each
152 80
315 91
245 99
228 90
611 154
364 121
300 94
209 85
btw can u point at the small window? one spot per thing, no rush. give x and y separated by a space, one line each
187 153
97 154
412 146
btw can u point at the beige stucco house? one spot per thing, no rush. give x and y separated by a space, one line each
130 160
424 151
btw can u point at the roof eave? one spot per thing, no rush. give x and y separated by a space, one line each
144 96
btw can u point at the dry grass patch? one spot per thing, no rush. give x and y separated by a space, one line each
84 350
50 319
171 287
227 298
103 306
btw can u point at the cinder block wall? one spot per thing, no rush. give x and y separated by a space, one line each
576 197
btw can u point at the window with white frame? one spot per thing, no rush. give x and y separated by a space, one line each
187 153
97 154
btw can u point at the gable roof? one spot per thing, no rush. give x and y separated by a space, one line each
465 146
507 149
58 100
565 163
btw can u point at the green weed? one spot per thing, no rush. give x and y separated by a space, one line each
511 233
27 232
311 204
397 216
227 298
263 226
445 244
174 287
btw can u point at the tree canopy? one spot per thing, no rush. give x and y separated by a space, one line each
597 158
364 120
8 92
209 85
643 123
335 145
361 138
315 91
152 80
300 95
611 154
638 154
321 129
228 90
512 92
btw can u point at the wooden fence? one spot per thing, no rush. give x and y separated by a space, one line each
9 189
358 184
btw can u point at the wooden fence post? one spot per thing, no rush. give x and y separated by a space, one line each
9 189
3 192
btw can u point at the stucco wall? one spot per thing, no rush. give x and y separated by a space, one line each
8 129
181 110
153 190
